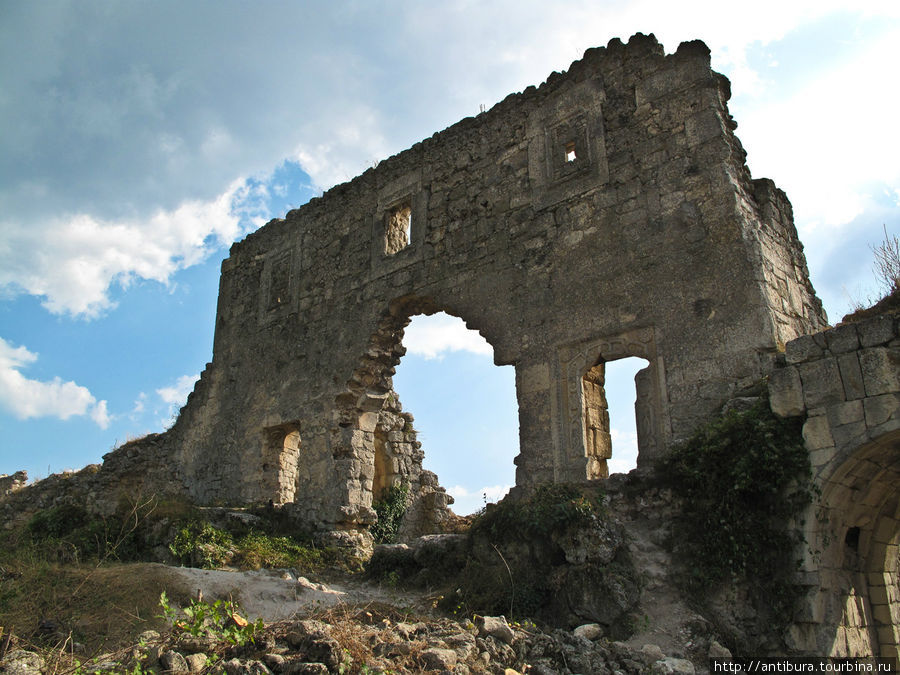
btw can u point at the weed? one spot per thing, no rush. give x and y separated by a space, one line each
220 621
551 509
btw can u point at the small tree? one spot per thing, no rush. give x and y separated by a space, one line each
887 263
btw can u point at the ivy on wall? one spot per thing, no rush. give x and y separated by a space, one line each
743 481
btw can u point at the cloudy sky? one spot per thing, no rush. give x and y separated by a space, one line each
140 139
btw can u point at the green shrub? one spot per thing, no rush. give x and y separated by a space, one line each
256 550
220 620
390 509
550 509
68 533
200 544
516 567
742 480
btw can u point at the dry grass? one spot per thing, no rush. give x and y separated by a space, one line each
99 607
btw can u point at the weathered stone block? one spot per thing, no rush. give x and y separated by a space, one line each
821 382
802 349
845 413
786 392
535 378
850 435
817 433
880 367
876 331
880 409
842 339
851 376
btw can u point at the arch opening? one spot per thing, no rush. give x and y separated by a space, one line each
280 462
858 534
465 408
374 444
610 405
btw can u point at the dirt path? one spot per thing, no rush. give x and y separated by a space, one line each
273 595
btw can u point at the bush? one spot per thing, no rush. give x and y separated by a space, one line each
390 509
742 480
68 533
256 550
551 509
199 544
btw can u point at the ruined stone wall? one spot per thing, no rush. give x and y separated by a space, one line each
606 214
846 381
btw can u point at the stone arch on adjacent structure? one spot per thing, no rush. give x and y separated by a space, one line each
846 383
857 536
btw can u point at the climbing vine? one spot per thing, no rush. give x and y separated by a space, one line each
742 481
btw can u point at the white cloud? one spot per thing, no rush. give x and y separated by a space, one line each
175 396
177 393
432 336
73 261
27 398
829 143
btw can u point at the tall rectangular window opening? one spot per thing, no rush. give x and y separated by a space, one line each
398 228
571 155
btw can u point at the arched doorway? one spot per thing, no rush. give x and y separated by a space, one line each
377 445
857 539
464 406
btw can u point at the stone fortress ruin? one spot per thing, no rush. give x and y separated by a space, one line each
606 214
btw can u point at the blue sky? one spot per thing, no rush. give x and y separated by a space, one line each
141 139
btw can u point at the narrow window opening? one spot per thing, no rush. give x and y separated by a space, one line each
851 539
280 464
571 155
384 469
398 228
609 405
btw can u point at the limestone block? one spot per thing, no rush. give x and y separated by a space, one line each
888 635
842 339
849 412
850 435
821 383
876 331
882 614
802 637
368 421
535 379
885 530
817 433
786 392
881 370
803 348
851 376
880 409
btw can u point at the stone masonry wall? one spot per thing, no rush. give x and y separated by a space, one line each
606 214
847 382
